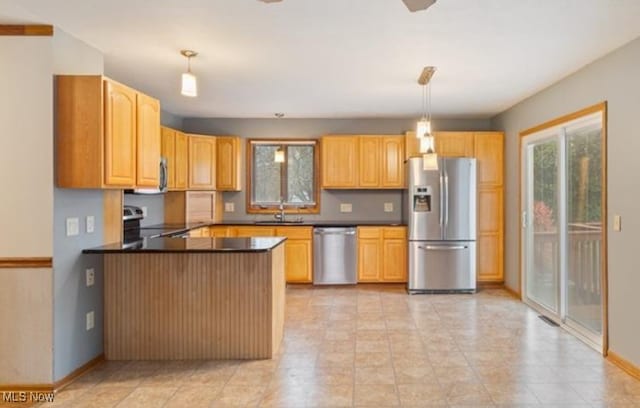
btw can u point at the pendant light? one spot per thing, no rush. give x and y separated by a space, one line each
423 127
279 156
189 81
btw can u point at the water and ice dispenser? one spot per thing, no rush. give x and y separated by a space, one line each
422 199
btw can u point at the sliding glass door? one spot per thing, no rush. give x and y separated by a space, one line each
562 224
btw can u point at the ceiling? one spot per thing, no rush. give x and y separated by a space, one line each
340 58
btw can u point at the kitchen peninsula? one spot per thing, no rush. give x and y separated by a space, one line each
193 298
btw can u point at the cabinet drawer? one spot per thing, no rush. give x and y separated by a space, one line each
294 232
369 232
394 232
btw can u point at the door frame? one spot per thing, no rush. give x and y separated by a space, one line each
597 108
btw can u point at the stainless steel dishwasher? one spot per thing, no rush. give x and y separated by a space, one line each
334 256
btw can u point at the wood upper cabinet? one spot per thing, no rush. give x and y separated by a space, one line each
119 135
168 143
392 156
228 163
489 150
363 161
175 151
382 254
202 162
339 161
454 144
369 161
447 144
181 163
148 141
107 134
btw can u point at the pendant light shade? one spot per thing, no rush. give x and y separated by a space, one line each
279 156
423 128
430 161
189 85
189 81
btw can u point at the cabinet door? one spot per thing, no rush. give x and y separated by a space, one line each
392 155
169 153
202 166
181 163
148 137
411 145
119 135
394 264
369 161
245 232
489 148
218 232
298 260
339 161
369 260
228 163
490 234
454 144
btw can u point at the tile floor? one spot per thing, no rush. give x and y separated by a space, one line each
375 346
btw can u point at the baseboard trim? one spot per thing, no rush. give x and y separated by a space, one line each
58 385
26 263
516 294
625 365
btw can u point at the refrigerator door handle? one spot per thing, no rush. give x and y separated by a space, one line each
443 248
446 203
441 199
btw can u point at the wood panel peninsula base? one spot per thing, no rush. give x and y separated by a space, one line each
194 304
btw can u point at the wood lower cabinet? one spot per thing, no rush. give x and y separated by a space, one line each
382 254
107 134
202 162
175 151
228 153
339 161
298 250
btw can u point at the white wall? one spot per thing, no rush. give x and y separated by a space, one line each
26 208
26 147
613 78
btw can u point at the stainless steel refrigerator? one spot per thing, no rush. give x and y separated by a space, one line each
440 212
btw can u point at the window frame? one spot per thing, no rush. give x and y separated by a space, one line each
253 208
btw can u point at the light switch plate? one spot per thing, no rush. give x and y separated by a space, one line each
90 320
144 211
229 207
91 224
617 223
388 207
90 276
73 226
346 207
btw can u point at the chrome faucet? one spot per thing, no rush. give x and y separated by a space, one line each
280 215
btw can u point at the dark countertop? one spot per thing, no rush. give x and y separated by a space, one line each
306 223
191 245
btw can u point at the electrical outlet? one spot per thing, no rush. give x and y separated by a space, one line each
144 211
346 207
91 224
90 320
90 276
229 207
617 223
73 226
388 207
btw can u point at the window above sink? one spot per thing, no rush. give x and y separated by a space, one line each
292 183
